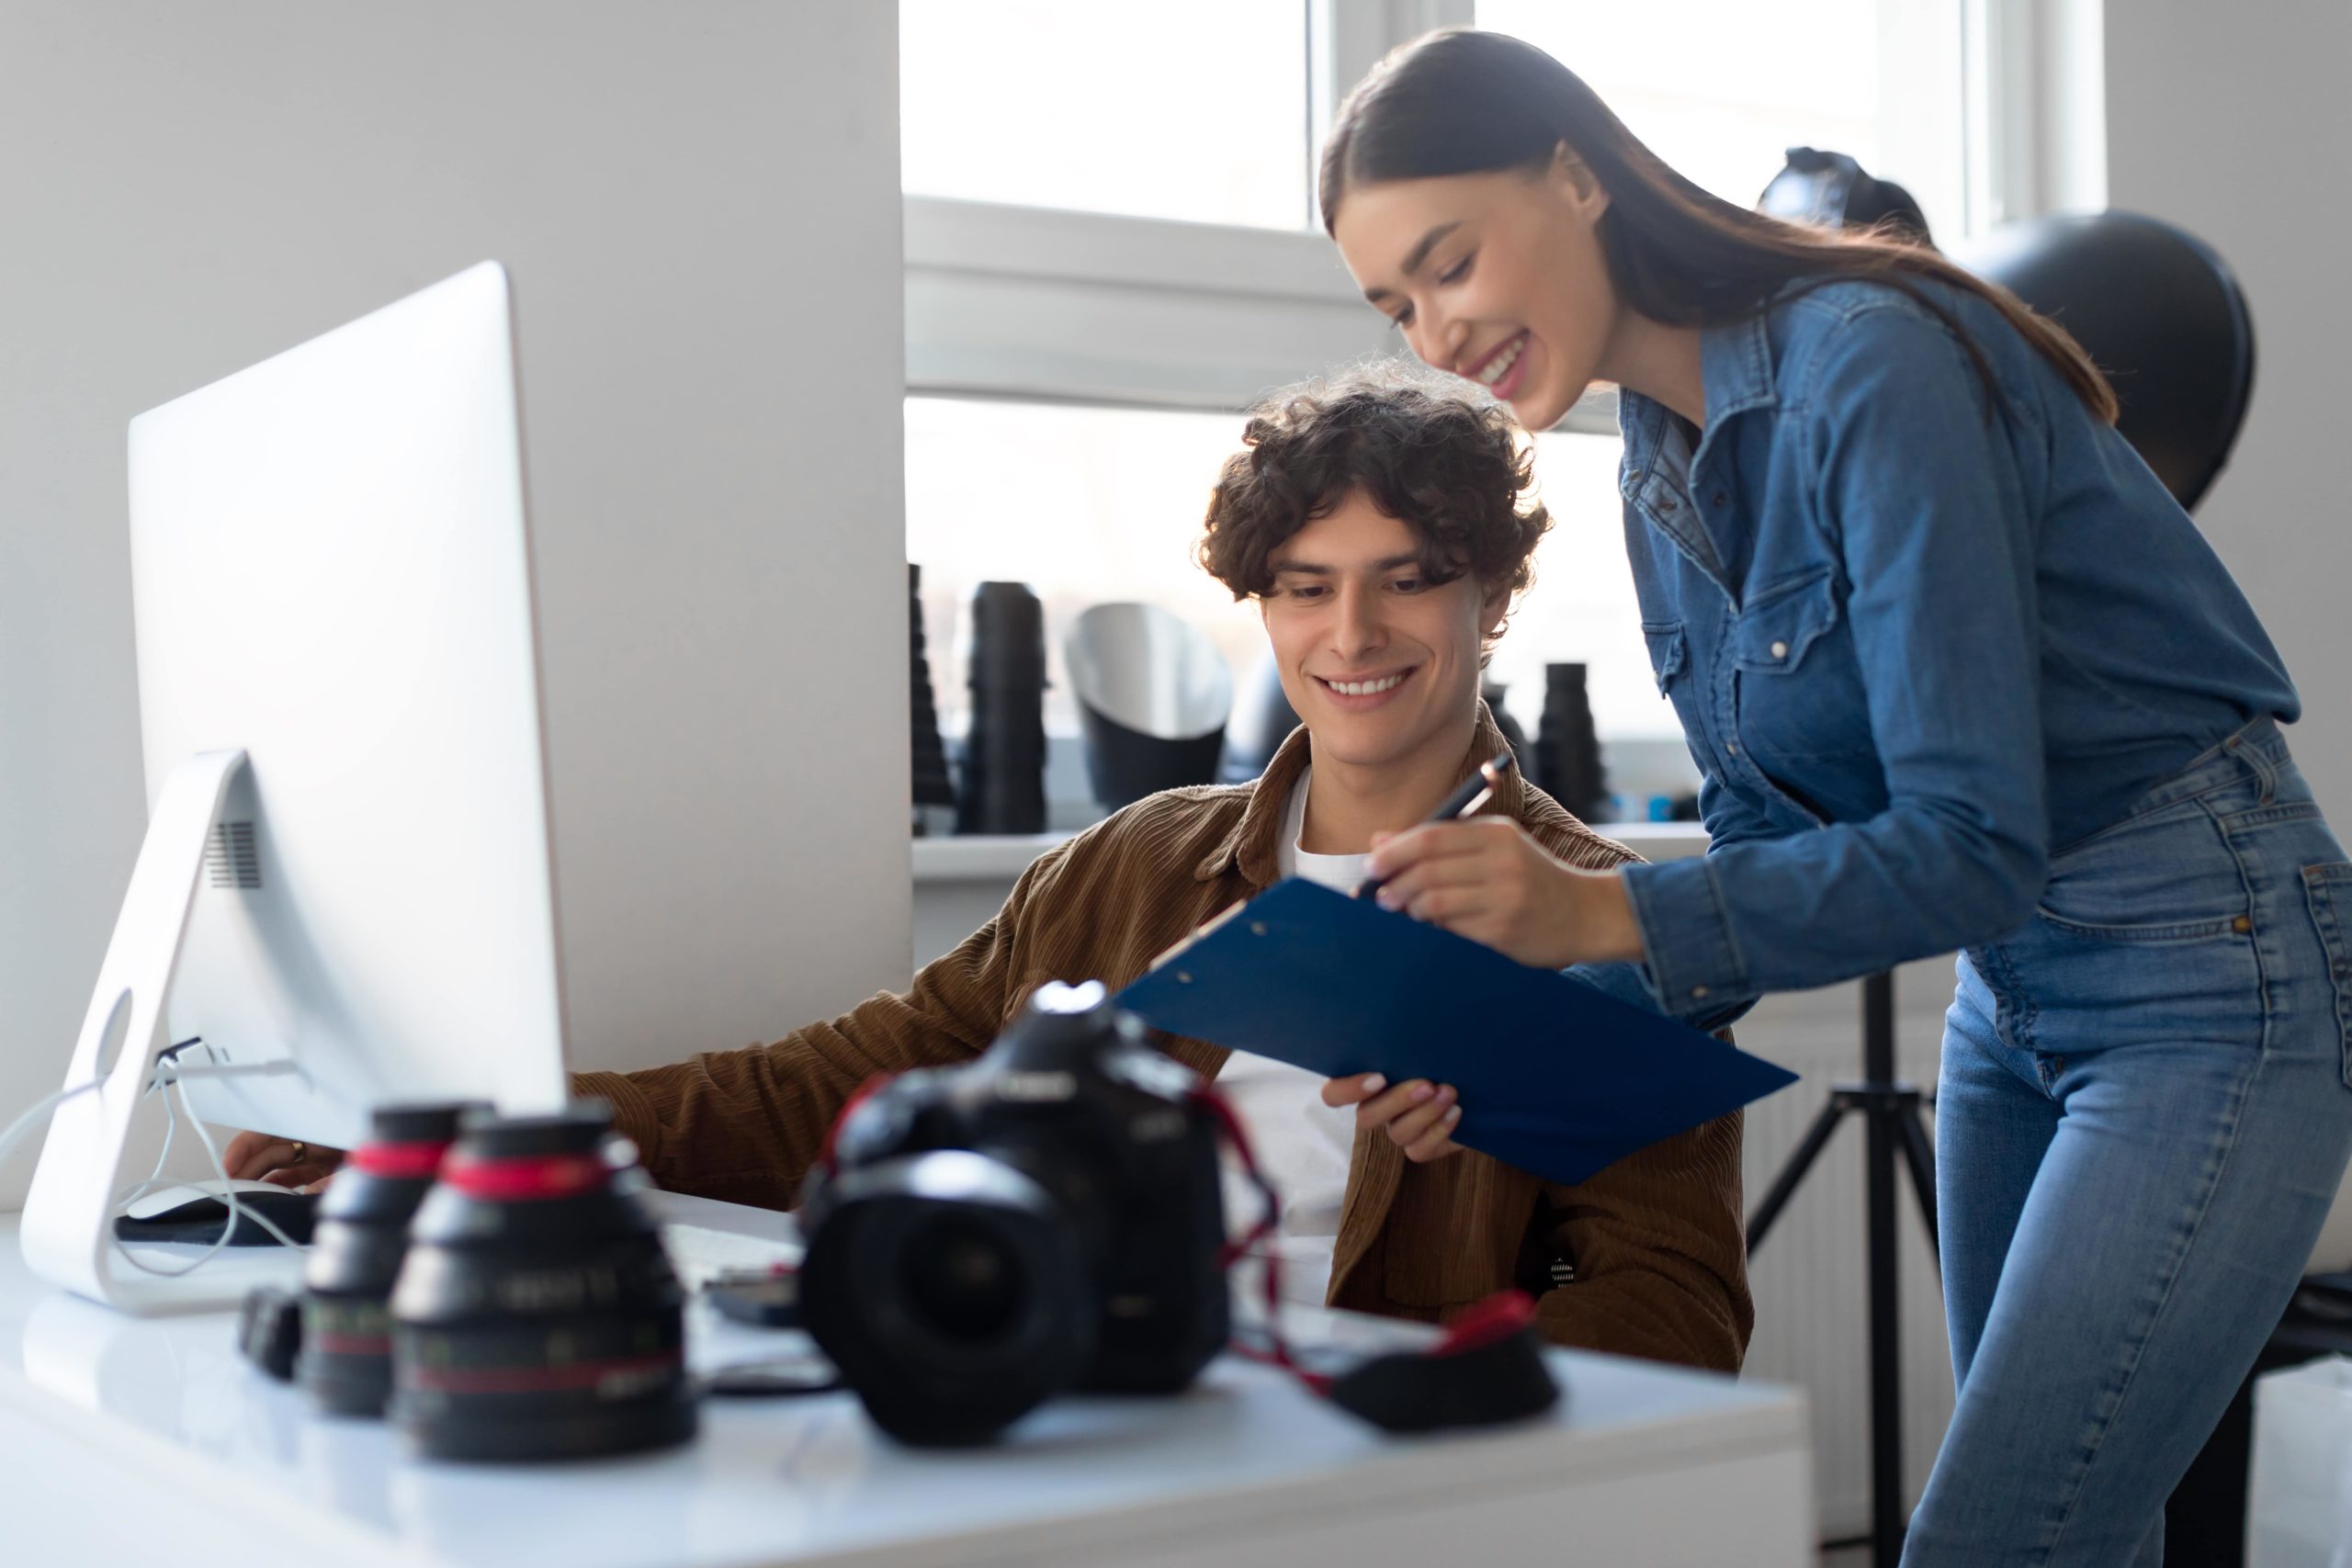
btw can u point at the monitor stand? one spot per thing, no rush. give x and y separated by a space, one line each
67 1233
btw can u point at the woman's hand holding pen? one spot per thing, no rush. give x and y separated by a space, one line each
1485 879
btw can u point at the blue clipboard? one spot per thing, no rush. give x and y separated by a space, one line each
1556 1077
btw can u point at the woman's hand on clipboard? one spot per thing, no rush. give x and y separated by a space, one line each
1485 879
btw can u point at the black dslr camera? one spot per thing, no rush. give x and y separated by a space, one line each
1047 1217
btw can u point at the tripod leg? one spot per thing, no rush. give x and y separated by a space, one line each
1920 1155
1886 1371
1785 1185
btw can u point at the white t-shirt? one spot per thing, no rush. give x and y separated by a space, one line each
1303 1146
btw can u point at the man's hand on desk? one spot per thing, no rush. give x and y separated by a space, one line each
259 1157
1419 1116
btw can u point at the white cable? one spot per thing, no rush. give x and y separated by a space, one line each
39 1112
171 1128
42 1108
166 1074
229 1193
123 1200
171 1125
170 1076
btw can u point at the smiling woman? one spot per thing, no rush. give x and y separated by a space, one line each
1938 640
1537 246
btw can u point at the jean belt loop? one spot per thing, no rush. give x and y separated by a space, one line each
2257 758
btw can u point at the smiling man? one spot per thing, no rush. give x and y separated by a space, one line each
1385 528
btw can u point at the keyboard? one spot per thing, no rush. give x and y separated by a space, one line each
698 1253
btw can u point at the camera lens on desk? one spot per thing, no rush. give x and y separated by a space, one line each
357 1243
536 1315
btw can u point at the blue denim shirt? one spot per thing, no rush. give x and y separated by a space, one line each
1917 641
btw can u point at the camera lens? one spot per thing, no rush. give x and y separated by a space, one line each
535 1315
950 1291
965 1285
356 1251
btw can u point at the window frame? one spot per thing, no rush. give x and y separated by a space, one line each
1057 305
1060 305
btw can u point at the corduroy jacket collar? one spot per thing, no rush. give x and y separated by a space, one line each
1254 845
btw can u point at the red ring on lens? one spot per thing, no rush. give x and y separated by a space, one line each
400 1162
521 1178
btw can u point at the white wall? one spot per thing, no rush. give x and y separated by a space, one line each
2233 121
700 209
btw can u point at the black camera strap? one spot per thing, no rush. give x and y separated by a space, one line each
1488 1368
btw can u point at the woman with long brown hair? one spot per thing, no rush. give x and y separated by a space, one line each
1958 674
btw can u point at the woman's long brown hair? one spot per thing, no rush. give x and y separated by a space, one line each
1461 102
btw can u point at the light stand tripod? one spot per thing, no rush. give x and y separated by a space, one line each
1890 1112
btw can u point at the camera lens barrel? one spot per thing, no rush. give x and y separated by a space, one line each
536 1315
356 1244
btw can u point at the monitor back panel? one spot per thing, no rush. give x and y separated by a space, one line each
330 571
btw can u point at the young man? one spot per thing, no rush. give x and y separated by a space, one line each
1385 531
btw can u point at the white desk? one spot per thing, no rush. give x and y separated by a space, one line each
147 1440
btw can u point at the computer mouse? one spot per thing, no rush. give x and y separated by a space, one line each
164 1198
196 1215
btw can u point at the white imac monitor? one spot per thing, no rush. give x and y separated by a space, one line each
332 582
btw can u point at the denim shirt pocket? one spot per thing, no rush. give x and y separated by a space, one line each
1798 703
1782 621
1669 650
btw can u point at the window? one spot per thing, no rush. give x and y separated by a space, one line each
1581 608
1194 111
1084 504
1721 114
1110 252
1088 504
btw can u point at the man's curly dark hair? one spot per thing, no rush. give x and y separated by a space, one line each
1454 469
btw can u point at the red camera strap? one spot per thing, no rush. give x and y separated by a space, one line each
1488 1368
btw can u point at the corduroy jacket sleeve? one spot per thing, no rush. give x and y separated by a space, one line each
1660 1253
745 1125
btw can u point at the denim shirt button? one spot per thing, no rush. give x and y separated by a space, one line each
1731 747
1698 993
1779 651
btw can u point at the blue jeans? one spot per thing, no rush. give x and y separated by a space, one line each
2145 1108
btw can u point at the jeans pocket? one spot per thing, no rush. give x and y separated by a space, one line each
2167 877
2328 889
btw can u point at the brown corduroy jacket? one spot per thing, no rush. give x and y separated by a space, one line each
1656 1239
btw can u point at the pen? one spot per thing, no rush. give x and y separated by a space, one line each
1475 791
